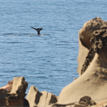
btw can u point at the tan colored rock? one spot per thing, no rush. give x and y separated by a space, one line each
102 104
33 96
84 38
16 96
16 83
93 81
36 98
47 99
17 93
51 98
63 105
43 99
79 105
85 101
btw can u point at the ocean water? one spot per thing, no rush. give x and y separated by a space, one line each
48 61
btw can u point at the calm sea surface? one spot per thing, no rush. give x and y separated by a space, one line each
49 61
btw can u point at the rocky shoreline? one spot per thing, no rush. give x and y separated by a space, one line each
89 89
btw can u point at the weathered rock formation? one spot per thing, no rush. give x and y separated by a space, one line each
92 62
40 99
84 38
15 97
85 101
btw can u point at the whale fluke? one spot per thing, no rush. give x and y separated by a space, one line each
37 29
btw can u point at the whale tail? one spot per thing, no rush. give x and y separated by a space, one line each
37 29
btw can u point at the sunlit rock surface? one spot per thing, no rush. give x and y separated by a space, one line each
42 99
92 65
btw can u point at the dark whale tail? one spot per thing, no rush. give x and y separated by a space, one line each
37 29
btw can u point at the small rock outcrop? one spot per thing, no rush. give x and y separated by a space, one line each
15 97
40 99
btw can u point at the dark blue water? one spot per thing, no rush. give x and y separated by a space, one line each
49 61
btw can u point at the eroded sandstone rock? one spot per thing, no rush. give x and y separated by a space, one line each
93 81
40 99
16 96
85 36
63 105
86 101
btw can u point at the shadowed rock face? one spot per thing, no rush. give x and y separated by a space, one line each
92 62
16 96
88 28
86 101
98 42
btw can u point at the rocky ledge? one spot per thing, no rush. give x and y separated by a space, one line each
89 89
